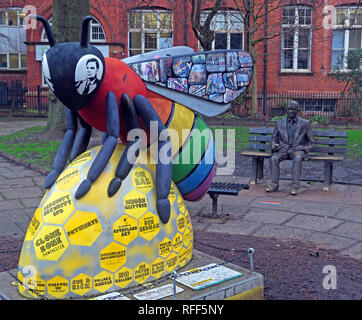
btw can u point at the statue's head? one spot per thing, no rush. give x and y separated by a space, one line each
73 71
292 109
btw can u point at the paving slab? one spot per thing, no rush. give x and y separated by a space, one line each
326 240
282 232
348 229
316 223
268 215
22 193
233 226
354 251
350 213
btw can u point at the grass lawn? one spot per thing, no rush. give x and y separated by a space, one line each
31 146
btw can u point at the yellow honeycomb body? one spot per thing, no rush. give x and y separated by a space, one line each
94 245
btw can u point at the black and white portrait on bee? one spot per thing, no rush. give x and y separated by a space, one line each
88 74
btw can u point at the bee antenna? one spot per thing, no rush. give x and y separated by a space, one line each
85 31
47 28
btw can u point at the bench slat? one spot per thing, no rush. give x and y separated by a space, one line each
258 146
336 142
329 150
261 130
329 133
260 138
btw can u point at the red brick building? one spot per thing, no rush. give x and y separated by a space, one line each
308 38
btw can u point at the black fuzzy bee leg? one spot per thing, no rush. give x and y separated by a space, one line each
164 165
64 149
81 140
107 149
131 152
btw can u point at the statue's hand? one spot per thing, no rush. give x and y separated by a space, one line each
300 148
276 147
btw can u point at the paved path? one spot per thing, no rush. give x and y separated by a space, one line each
12 126
332 218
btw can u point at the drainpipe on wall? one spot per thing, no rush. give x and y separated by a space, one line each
265 55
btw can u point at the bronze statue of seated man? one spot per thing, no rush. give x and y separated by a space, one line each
292 139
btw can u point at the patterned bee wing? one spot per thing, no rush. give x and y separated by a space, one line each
205 82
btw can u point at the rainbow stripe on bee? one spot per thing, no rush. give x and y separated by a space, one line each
193 152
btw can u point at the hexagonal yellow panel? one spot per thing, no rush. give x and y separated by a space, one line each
165 247
32 284
149 226
172 195
58 207
181 223
177 242
171 262
81 284
187 218
158 267
187 237
181 203
142 272
68 179
141 179
83 158
50 243
58 286
103 281
34 225
113 256
135 203
189 251
83 228
125 229
123 277
181 260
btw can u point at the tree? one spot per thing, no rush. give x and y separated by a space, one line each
67 21
203 31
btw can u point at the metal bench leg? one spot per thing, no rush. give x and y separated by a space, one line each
254 173
328 175
214 198
260 169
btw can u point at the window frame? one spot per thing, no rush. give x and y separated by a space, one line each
20 26
346 27
92 24
229 29
144 29
296 27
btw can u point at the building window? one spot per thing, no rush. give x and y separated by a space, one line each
96 32
228 29
296 38
12 38
347 37
149 30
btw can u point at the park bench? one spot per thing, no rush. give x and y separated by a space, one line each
223 188
330 147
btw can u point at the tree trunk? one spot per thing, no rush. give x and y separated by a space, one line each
254 88
67 22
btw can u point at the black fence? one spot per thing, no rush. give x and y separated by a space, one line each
327 104
34 101
24 101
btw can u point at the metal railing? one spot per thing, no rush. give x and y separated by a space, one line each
331 105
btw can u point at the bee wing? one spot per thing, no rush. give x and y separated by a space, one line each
205 82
